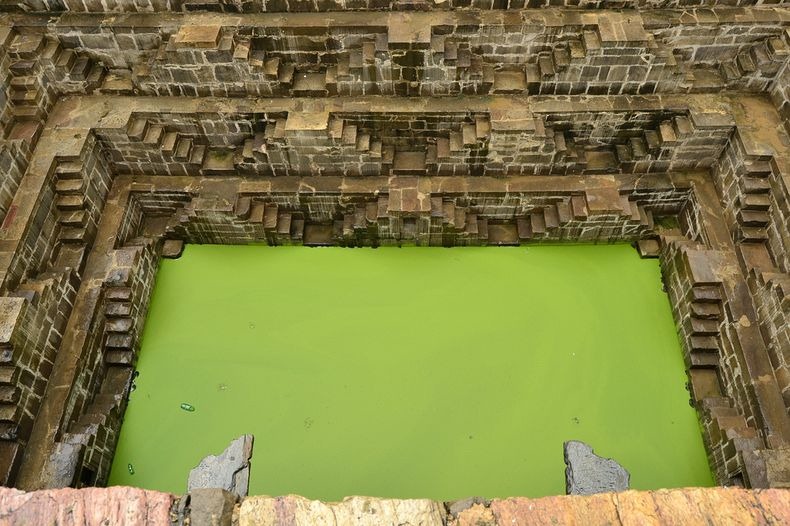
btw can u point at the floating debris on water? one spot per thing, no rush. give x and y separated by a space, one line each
130 468
222 387
187 407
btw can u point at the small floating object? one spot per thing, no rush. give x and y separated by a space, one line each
134 386
130 468
187 407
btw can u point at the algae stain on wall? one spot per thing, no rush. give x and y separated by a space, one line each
413 372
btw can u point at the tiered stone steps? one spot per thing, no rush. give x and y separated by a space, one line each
173 145
754 202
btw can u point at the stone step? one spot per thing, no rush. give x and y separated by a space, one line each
683 126
118 357
270 217
119 341
349 134
80 69
51 52
537 222
284 224
116 293
154 135
706 294
524 228
561 57
755 201
755 185
551 217
183 149
72 235
118 325
76 218
564 212
579 207
27 46
169 142
623 153
8 375
752 234
745 63
70 202
646 217
666 133
137 128
95 75
456 142
707 344
469 134
546 65
27 113
25 130
9 394
652 140
363 142
23 83
757 168
705 310
69 170
704 327
70 186
560 145
638 147
753 217
66 59
20 68
30 96
198 154
375 149
118 309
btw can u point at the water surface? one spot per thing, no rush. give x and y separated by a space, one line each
412 372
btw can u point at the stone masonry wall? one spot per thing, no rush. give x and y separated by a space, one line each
130 127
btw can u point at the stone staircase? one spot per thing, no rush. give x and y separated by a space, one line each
36 63
648 143
119 326
754 202
173 146
759 62
702 312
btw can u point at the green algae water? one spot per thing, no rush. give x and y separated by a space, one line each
410 372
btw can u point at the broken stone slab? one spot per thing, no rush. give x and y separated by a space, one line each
587 473
455 507
211 507
172 248
230 470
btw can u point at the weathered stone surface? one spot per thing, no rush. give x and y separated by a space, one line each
211 507
457 506
703 506
230 470
85 507
359 511
132 507
587 473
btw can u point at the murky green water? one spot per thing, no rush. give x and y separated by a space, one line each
413 372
